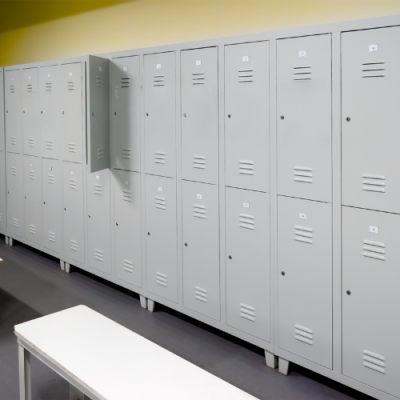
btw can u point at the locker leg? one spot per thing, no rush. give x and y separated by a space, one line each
67 267
151 304
143 301
270 359
6 239
24 359
283 366
62 265
75 394
10 242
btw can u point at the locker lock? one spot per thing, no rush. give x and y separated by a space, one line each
65 209
230 257
41 112
147 114
63 112
283 273
348 119
115 113
148 233
8 192
89 216
186 244
282 117
44 202
7 111
348 292
23 112
184 115
25 197
115 223
92 113
229 115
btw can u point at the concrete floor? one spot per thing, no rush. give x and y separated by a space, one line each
32 285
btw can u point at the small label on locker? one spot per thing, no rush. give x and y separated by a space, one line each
160 189
13 161
198 62
50 168
12 79
158 66
373 47
100 69
245 59
72 172
199 196
70 74
48 75
302 216
97 177
30 164
125 68
373 229
246 205
29 77
126 183
302 53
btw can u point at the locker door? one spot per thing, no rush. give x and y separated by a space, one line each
305 279
161 237
247 115
199 79
248 262
50 111
371 275
304 117
159 94
125 118
128 227
3 209
2 138
72 112
13 100
73 223
33 198
201 286
371 121
52 204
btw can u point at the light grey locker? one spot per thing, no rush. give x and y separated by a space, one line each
371 275
161 237
305 279
73 219
31 111
13 106
2 137
52 186
370 119
159 108
199 80
248 272
124 117
247 116
127 227
33 198
200 227
3 209
304 131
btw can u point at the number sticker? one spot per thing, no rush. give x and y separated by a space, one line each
302 53
158 66
160 189
246 205
97 177
245 59
72 172
125 68
126 183
373 229
373 47
302 216
198 62
199 196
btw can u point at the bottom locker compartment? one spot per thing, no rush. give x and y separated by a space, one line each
15 195
3 209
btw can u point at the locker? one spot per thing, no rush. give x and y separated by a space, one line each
127 227
199 80
160 129
161 237
371 326
304 132
248 271
13 103
2 137
33 199
3 209
305 279
247 115
73 220
31 112
371 121
200 227
52 184
125 117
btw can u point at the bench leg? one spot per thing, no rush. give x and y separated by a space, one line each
67 267
10 241
151 305
24 359
283 366
62 265
270 359
75 394
6 239
143 301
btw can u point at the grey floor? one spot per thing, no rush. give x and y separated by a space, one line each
32 285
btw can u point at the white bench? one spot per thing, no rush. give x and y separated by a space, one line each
105 361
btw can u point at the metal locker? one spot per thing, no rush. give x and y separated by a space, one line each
159 103
247 115
13 106
248 272
199 80
371 121
73 220
2 138
200 226
31 112
371 326
127 227
304 131
161 237
3 209
33 198
305 279
52 184
124 118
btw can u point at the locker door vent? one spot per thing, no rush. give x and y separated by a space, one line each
159 157
128 266
99 82
160 202
14 171
303 174
29 88
12 88
374 361
31 142
200 294
303 234
100 153
125 83
126 154
49 86
246 221
374 250
32 229
31 174
71 147
99 255
198 78
374 183
127 195
247 312
373 69
161 279
49 145
71 85
13 140
50 179
246 76
15 222
246 167
159 80
73 245
72 183
199 211
302 73
199 162
304 335
98 189
52 237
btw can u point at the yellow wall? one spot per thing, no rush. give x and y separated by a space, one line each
141 23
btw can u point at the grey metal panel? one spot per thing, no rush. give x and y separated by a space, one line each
2 137
248 282
200 230
247 115
124 113
161 237
370 94
199 80
371 327
159 108
3 208
13 116
305 279
304 81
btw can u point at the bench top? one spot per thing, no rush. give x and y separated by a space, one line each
115 363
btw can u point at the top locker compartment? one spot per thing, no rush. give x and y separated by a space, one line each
1 110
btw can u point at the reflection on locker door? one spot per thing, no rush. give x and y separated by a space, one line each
3 209
248 262
371 121
304 117
305 279
161 237
73 221
127 227
371 275
124 117
201 286
13 117
33 198
159 98
247 115
199 79
72 112
52 204
2 138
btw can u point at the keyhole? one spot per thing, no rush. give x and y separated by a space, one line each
283 273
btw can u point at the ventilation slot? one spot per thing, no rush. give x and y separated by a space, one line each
1 218
31 142
50 179
374 361
199 162
71 85
303 234
373 70
125 83
247 312
99 82
303 174
246 221
99 255
15 222
302 73
73 245
161 279
29 88
160 202
98 189
126 154
49 86
246 76
374 250
304 335
32 229
52 237
72 183
13 140
127 195
199 211
12 88
72 147
374 183
128 266
198 78
100 153
14 171
246 167
200 294
31 174
159 80
159 157
49 145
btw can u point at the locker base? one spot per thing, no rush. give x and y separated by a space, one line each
271 359
151 304
283 366
62 265
6 238
10 242
143 301
75 394
67 268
